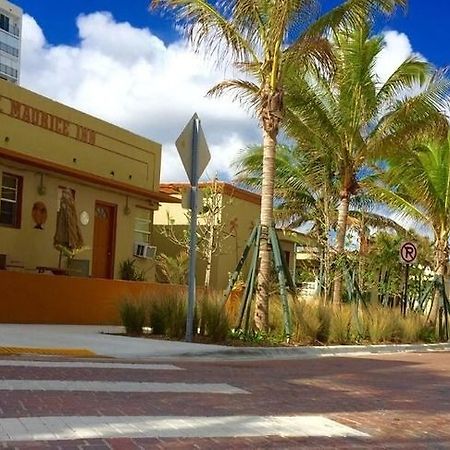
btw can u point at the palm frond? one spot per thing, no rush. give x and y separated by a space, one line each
374 220
244 91
403 208
353 13
313 52
209 28
412 72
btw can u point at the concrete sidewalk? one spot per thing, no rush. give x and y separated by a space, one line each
97 340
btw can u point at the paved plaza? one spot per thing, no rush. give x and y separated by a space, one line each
372 401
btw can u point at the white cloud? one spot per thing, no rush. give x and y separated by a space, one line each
129 77
397 49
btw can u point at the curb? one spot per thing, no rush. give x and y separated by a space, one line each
316 352
229 353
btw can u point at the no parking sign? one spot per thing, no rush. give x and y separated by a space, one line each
408 253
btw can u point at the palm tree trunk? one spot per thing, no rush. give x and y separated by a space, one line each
441 265
340 244
265 268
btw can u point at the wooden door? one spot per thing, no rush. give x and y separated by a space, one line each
104 240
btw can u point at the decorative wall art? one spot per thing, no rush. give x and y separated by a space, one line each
39 215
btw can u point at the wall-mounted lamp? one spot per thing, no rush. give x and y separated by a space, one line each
41 188
126 209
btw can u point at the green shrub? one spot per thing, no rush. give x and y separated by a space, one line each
172 269
312 323
157 316
129 271
132 316
340 325
324 314
428 333
380 324
255 337
167 315
358 329
414 328
214 321
352 324
176 327
306 323
276 318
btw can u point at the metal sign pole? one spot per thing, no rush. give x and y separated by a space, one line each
193 233
408 256
195 156
405 292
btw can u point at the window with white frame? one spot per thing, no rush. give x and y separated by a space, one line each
11 200
143 225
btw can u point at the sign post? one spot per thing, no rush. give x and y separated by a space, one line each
194 153
408 256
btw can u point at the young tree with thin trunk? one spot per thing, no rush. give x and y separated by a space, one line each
212 231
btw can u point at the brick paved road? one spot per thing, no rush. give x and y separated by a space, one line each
400 401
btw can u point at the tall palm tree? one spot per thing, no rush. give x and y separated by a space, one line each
262 38
418 186
356 118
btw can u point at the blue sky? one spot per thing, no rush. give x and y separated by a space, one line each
130 68
425 22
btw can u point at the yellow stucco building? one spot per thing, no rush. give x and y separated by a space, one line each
47 148
238 215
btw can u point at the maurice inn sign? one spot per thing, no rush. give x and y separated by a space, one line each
42 119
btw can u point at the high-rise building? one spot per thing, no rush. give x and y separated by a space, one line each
10 38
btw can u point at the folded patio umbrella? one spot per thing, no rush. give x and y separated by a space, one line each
68 235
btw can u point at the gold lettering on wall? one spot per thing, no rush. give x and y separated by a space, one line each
85 135
50 122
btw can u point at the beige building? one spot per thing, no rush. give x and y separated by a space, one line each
112 174
239 213
10 41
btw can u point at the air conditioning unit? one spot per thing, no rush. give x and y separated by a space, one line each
144 250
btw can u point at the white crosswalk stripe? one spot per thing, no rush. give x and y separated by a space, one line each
118 386
106 427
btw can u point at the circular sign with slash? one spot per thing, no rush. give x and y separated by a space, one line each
408 252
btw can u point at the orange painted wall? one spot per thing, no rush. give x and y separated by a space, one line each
51 299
